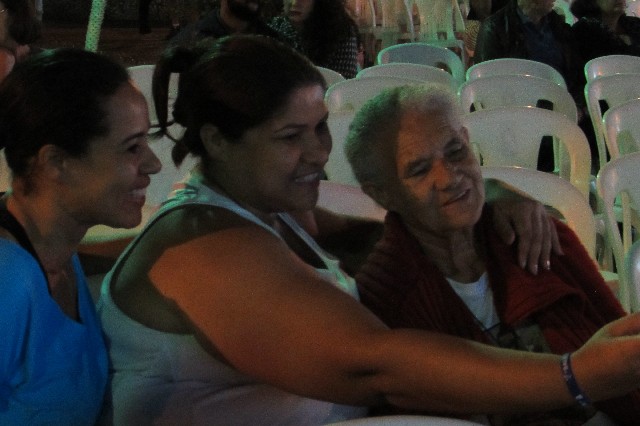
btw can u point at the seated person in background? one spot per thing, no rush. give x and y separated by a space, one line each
603 28
19 27
225 311
323 31
232 17
440 265
531 29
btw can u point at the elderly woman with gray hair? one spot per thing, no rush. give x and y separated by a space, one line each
440 265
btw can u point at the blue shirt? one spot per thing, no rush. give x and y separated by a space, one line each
53 370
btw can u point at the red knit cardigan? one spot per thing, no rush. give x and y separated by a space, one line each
569 303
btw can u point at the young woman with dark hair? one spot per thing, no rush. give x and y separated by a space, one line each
74 133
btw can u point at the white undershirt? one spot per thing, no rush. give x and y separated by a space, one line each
479 299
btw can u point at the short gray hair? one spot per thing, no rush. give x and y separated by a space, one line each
378 122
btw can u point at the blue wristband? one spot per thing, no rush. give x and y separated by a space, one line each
572 384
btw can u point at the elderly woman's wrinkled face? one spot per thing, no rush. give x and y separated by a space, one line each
438 185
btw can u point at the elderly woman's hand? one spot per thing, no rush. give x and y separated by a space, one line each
527 221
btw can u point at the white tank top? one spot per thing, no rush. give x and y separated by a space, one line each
167 379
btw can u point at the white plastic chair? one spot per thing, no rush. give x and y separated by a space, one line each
426 54
515 90
622 128
426 73
330 76
502 66
395 21
621 177
555 192
142 76
440 19
614 89
510 136
348 200
350 95
611 64
405 421
338 168
631 269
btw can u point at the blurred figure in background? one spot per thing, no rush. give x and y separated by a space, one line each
603 28
232 17
323 31
19 27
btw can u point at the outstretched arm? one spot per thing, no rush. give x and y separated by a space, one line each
273 317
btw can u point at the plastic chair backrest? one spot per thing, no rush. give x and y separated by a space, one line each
406 421
611 64
621 177
563 7
622 128
394 21
338 168
436 19
631 270
425 54
350 95
555 192
615 90
330 76
158 190
142 76
348 200
516 90
426 73
502 66
510 136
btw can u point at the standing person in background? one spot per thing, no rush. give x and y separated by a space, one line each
224 310
323 31
232 17
19 27
77 149
603 28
